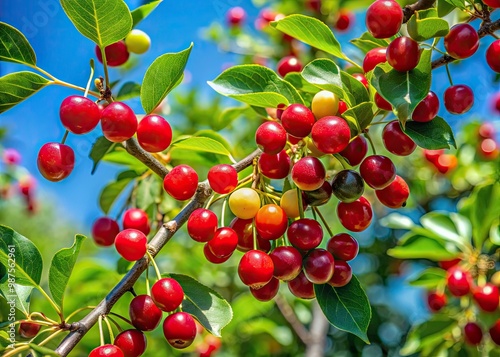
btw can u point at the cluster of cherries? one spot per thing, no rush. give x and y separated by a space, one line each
459 283
118 53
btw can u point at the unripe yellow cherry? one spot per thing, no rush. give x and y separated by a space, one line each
324 104
244 203
137 41
290 203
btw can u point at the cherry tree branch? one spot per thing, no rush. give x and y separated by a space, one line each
318 330
289 315
133 148
409 10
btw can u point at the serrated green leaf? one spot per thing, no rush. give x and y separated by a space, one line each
415 245
296 80
205 304
19 293
18 86
430 278
346 308
99 149
203 144
110 193
61 268
128 90
367 42
397 221
425 24
325 74
359 117
14 47
143 11
433 135
103 22
164 74
355 90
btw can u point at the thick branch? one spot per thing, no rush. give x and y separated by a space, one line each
409 10
289 315
318 331
145 157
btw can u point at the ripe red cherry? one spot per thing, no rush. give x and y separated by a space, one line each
308 173
274 166
131 244
361 77
11 156
116 54
144 314
355 152
224 242
343 246
55 161
486 297
305 234
118 122
344 20
331 134
243 228
355 216
318 266
132 343
396 141
488 148
28 329
458 281
136 218
235 16
223 178
106 351
104 231
298 120
473 334
154 133
384 18
374 57
27 184
436 301
342 107
181 182
212 258
268 291
403 54
486 130
433 155
271 137
495 332
382 103
288 64
202 224
394 195
79 114
427 109
445 163
167 294
301 287
319 196
342 274
458 99
492 3
271 222
447 264
493 55
348 186
287 262
462 41
179 330
255 269
378 171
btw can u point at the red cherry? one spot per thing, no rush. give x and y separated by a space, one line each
287 262
212 258
235 16
495 332
224 242
314 5
382 103
274 166
106 351
131 244
487 131
344 20
343 246
132 342
319 196
403 54
342 107
378 171
473 334
462 41
104 231
427 109
331 134
243 228
167 294
458 99
374 57
301 287
55 161
298 120
268 291
436 301
179 330
342 274
11 156
116 54
118 122
136 218
445 163
154 133
458 281
202 224
355 151
144 314
271 137
361 77
223 178
27 184
255 269
488 148
308 173
288 64
305 234
78 114
492 3
394 195
433 155
447 264
355 216
271 222
28 329
318 266
495 101
181 182
384 18
486 297
493 55
396 141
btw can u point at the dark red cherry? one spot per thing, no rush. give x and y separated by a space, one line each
495 332
287 262
298 120
212 258
308 173
355 216
288 64
118 122
243 228
305 234
223 178
301 287
116 54
458 99
318 266
255 269
396 141
319 196
181 182
343 246
473 334
224 242
179 330
348 186
78 114
361 77
132 343
144 314
394 195
167 294
382 103
493 56
106 351
104 231
331 134
28 329
427 109
447 264
486 297
342 274
384 18
154 133
462 41
374 57
403 54
378 171
275 166
202 224
136 218
271 137
356 151
436 301
344 20
458 281
268 291
55 161
492 3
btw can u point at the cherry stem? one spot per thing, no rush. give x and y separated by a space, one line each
121 317
90 78
301 206
77 311
254 234
449 74
155 266
65 137
118 327
223 213
330 232
110 330
342 161
147 281
371 143
43 317
54 305
105 64
101 335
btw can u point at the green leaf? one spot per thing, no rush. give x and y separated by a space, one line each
426 24
99 149
19 293
4 340
355 90
164 74
367 42
415 245
325 74
296 80
14 47
255 85
433 135
346 308
397 221
143 11
128 90
457 3
495 232
359 116
205 304
104 22
404 90
311 31
18 86
61 267
228 115
203 144
207 133
282 334
443 226
110 193
43 350
121 157
430 278
148 191
444 8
